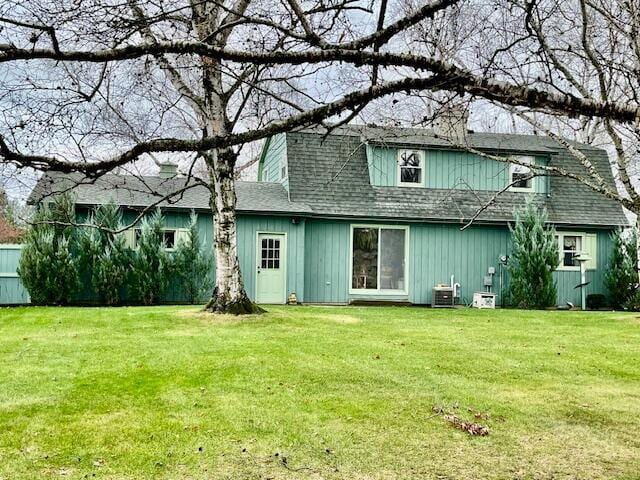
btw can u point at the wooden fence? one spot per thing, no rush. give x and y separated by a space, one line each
12 292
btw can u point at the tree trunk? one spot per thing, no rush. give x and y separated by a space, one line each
229 295
637 232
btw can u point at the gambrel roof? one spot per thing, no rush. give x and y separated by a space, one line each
329 173
328 176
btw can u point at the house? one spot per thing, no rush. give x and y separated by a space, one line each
375 214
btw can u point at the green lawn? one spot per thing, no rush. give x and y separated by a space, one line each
314 392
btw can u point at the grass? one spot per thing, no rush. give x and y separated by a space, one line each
317 392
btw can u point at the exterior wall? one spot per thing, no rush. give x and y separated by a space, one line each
436 252
566 281
446 169
319 256
274 156
248 228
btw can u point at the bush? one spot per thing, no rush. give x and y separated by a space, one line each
48 267
534 258
104 255
596 301
621 278
151 264
193 265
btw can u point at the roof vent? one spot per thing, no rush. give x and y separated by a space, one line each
451 123
168 170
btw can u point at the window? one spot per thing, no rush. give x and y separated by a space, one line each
270 253
572 244
283 170
169 237
378 259
410 167
520 175
265 174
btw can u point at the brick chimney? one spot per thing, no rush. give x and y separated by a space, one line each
168 170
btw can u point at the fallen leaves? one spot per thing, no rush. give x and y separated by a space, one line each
469 427
454 420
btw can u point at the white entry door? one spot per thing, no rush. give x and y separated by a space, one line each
271 266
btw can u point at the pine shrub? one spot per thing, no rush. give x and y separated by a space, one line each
104 255
621 277
534 258
193 264
48 265
151 264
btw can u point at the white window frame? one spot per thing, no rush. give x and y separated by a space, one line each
379 291
421 168
283 170
560 236
512 166
170 229
265 173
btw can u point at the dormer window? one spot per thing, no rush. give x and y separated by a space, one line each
410 168
520 175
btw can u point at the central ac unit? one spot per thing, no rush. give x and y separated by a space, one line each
442 297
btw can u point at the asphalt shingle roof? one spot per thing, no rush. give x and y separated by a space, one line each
141 191
330 174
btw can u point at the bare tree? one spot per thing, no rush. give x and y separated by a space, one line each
203 78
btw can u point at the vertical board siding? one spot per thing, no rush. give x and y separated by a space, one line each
248 228
327 259
12 292
439 251
566 281
436 251
447 169
274 156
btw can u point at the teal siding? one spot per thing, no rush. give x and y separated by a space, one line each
274 156
566 281
327 260
12 292
318 259
248 228
436 252
447 170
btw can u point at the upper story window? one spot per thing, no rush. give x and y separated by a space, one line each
410 168
520 175
283 170
265 174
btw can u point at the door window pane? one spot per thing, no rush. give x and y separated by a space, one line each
392 259
365 258
270 253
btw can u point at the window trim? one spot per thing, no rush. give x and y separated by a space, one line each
283 170
379 291
561 235
164 229
265 173
422 168
532 161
